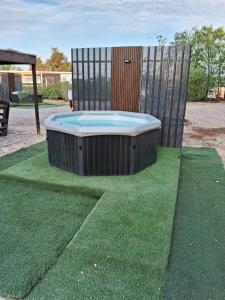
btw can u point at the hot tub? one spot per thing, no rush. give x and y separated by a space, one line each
102 142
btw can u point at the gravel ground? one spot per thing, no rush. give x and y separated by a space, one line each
204 127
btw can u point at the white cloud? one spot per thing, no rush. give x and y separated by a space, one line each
52 22
18 16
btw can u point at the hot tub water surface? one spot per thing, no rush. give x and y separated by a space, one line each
100 120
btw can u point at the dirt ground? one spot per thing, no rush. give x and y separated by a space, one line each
204 126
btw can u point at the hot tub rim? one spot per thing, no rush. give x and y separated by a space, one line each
83 131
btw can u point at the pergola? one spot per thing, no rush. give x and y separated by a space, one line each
13 57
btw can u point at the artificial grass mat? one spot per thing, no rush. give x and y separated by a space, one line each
11 159
36 170
121 250
197 257
36 226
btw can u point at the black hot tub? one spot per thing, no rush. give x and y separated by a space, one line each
102 142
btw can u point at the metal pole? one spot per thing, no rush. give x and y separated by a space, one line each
36 99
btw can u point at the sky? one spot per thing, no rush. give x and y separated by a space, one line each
34 26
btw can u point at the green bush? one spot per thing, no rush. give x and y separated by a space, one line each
197 84
57 90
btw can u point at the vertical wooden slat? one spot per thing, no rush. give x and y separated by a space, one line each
126 78
73 81
147 79
109 77
153 80
88 76
106 87
100 81
94 79
179 98
172 99
184 92
165 98
149 90
78 80
170 91
83 82
160 81
80 155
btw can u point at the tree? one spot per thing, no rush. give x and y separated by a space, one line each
40 66
208 58
161 40
197 81
183 38
57 61
207 44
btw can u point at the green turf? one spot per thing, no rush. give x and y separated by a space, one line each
121 250
197 259
37 170
36 226
21 155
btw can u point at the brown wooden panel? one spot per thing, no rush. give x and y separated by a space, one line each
14 57
126 78
49 79
11 81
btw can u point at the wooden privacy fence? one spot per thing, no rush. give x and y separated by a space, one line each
152 80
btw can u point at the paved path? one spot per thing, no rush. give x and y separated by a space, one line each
22 128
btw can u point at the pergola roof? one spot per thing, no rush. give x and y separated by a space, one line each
10 57
13 57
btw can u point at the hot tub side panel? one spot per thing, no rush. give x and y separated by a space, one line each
63 150
106 155
145 149
102 155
